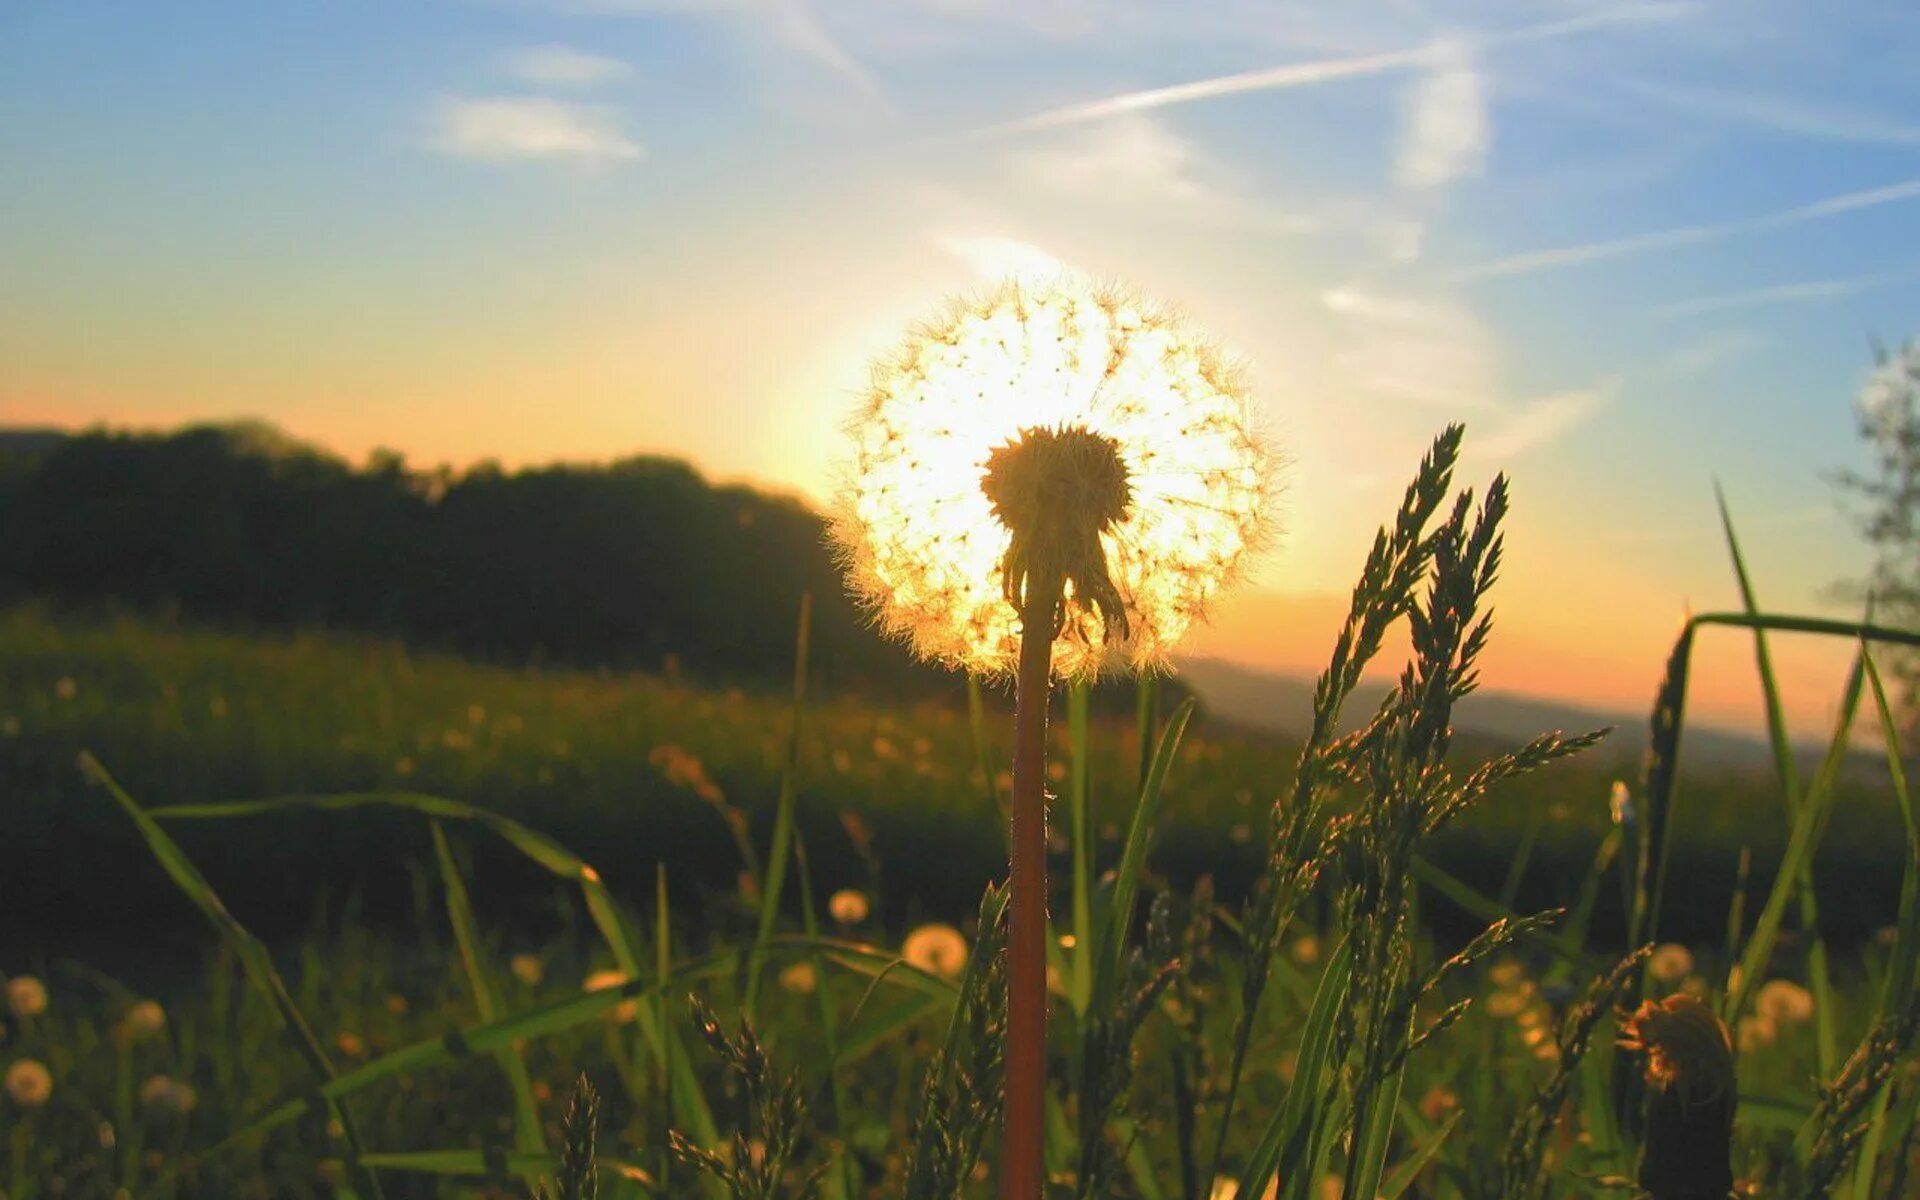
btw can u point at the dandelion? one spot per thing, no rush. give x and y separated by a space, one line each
396 1004
143 1020
1437 1103
527 968
351 1044
165 1094
1687 1149
799 977
29 1083
1305 950
26 996
1048 482
65 688
600 981
1752 1033
1670 963
936 949
1784 1002
848 906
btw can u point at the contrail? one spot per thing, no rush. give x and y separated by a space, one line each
1686 235
1326 70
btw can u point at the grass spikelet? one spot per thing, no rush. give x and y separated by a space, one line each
962 1102
763 1160
1522 1176
1839 1121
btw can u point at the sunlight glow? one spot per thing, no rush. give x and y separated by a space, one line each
918 537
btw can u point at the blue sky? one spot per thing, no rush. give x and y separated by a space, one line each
1635 246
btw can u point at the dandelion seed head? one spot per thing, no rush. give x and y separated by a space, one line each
167 1094
936 949
1670 963
799 977
848 906
1688 1049
29 1083
26 996
144 1019
1784 1002
944 511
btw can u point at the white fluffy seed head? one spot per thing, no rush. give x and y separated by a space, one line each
918 536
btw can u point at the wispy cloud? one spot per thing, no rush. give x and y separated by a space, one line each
1557 257
1432 349
1804 292
792 23
1536 423
532 129
1705 353
1446 126
995 257
564 66
800 28
1792 115
1139 160
1329 70
1424 349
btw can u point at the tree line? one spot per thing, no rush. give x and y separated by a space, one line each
636 563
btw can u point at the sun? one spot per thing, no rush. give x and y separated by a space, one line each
921 539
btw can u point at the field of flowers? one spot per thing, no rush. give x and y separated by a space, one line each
313 916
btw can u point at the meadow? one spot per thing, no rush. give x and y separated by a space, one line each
433 893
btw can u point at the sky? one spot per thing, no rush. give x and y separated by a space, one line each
1637 247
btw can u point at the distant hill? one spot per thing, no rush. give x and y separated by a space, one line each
1284 703
636 562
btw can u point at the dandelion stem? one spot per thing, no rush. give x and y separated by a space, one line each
1022 1171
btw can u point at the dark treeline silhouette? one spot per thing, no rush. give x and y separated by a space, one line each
633 563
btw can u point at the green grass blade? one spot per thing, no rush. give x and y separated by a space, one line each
1854 631
1133 860
1902 966
1146 720
690 1103
977 728
1487 908
1080 962
781 848
1369 1157
497 1164
1403 1176
1899 982
527 1134
485 1039
1819 974
1285 1145
1807 829
251 952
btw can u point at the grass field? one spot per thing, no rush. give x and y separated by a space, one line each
669 789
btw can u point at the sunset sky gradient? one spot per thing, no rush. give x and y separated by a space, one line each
1636 247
